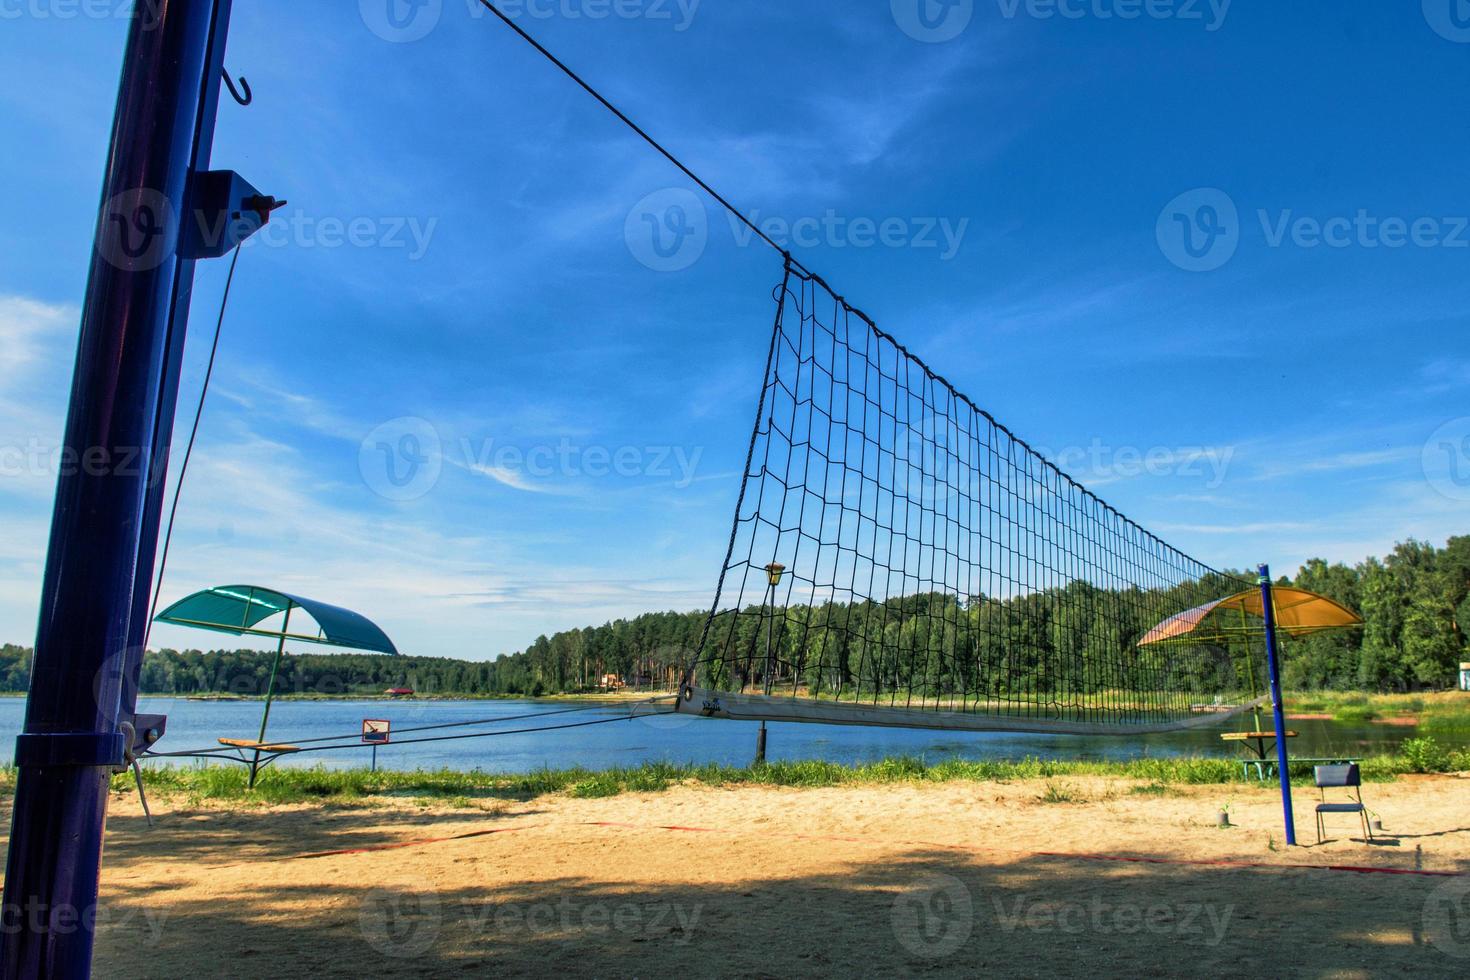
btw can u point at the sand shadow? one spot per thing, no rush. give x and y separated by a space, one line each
936 912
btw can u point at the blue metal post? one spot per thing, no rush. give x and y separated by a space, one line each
1273 666
109 494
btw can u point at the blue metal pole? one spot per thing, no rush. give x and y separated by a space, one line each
1273 666
110 491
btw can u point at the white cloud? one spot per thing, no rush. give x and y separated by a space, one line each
28 329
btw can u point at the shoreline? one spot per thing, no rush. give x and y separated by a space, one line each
225 784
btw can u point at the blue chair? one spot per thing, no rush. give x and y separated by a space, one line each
1341 777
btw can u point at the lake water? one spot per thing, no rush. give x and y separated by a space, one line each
667 738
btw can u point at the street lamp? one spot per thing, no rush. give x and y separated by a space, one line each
774 571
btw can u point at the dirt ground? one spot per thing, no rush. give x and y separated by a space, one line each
947 879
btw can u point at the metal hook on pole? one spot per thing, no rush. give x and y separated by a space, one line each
245 99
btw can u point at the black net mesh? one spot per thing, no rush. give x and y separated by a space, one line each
931 558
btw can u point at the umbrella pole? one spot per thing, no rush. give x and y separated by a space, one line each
270 690
1250 666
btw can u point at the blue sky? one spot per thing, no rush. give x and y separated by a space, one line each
468 261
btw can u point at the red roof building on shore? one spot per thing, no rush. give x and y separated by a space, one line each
399 692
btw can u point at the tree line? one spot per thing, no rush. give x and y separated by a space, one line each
1415 603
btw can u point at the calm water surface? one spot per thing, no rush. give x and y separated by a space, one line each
679 738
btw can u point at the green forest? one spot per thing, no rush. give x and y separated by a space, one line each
1415 603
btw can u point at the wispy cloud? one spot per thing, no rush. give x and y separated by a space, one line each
1444 375
28 328
1260 527
1282 464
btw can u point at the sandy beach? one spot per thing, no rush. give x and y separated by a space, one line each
941 879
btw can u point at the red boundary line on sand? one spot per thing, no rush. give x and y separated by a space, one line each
400 844
370 848
1201 862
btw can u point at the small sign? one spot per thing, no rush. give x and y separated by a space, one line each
376 731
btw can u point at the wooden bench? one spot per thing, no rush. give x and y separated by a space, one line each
1259 748
245 743
1267 767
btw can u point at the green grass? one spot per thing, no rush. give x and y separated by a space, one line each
1156 776
1061 793
467 789
1151 789
1445 714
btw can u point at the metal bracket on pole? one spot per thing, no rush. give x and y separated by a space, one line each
227 210
103 750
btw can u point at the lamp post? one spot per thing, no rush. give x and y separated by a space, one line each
774 571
